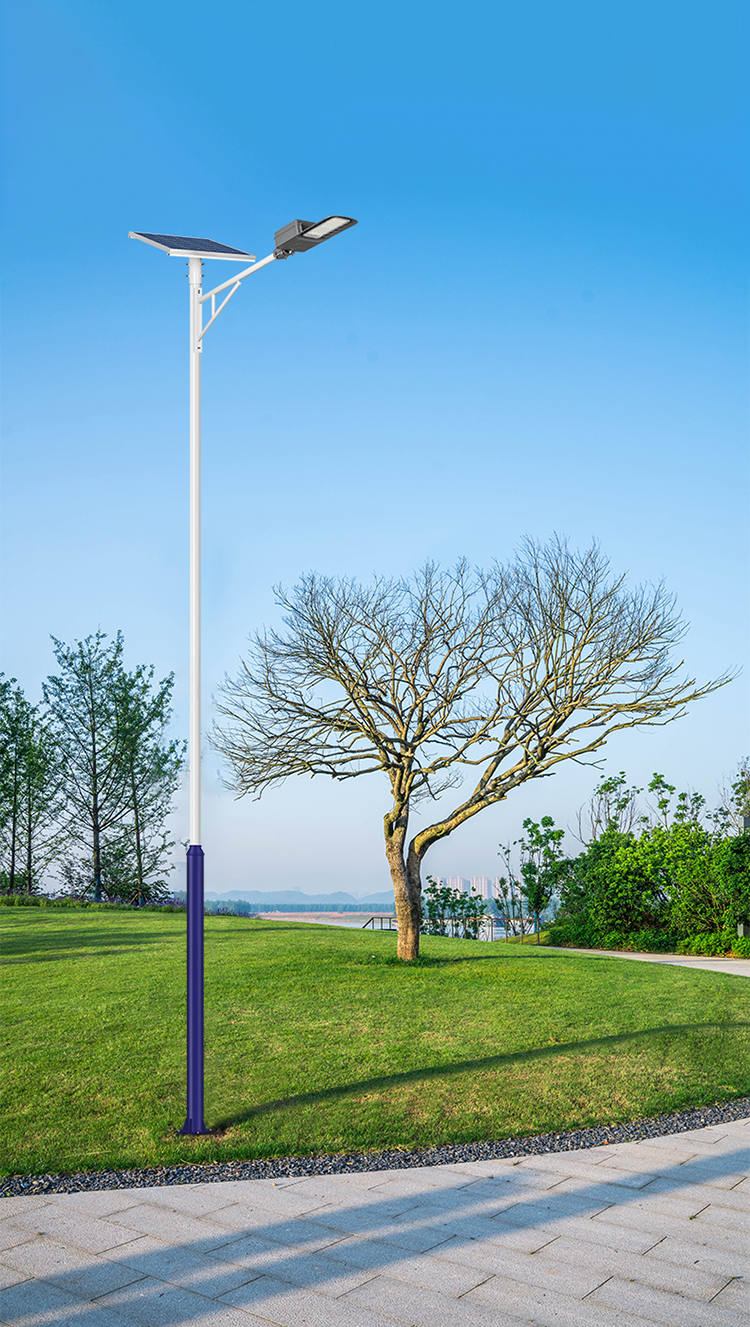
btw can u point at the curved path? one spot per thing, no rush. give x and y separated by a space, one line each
626 1235
738 967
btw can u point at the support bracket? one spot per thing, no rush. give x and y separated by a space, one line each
232 285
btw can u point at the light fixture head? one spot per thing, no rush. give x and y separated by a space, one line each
299 236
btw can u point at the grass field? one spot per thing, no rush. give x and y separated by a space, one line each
318 1040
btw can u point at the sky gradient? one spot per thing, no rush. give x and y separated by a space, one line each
539 324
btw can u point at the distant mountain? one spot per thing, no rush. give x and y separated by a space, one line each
269 897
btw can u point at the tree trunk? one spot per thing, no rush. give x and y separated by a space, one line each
14 823
138 847
29 835
407 887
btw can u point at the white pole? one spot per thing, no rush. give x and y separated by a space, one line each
196 277
194 1122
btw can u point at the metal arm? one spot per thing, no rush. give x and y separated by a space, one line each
234 282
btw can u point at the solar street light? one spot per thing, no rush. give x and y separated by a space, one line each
294 238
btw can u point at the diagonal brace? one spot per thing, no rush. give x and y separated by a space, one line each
233 284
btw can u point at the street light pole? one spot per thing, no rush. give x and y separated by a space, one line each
194 1122
297 237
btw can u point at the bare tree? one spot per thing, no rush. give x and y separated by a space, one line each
506 672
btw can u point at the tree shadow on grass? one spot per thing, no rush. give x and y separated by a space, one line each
386 1081
20 950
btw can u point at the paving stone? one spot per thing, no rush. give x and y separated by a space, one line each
98 1202
160 1305
316 1271
732 1198
533 1269
425 1225
10 1207
722 1172
437 1272
326 1223
647 1153
599 1195
735 1298
544 1210
522 1239
520 1180
11 1235
660 1306
93 1234
563 1167
290 1306
718 1215
660 1225
661 1274
331 1190
251 1258
71 1269
546 1307
174 1227
10 1277
424 1308
690 1253
666 1204
296 1232
419 1237
597 1230
188 1267
36 1304
253 1251
193 1199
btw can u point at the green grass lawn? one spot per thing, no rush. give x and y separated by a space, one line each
318 1040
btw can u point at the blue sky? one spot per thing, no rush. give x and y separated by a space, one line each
539 324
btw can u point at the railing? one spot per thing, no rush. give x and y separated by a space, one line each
392 923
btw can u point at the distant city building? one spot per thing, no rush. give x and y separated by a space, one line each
487 888
458 882
482 885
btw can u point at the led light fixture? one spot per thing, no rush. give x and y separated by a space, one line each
301 235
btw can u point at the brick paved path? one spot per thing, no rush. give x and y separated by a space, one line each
622 1236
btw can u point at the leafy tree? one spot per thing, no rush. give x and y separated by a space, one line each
12 705
541 864
509 898
151 765
82 701
29 791
612 806
119 771
733 812
684 873
506 673
447 911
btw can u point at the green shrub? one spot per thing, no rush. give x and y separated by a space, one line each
710 944
578 932
741 946
613 940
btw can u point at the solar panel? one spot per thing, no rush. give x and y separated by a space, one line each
187 246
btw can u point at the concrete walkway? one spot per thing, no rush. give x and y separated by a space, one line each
739 967
626 1235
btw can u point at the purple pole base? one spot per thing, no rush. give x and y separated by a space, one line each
194 1123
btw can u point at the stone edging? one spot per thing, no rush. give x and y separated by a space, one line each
454 1154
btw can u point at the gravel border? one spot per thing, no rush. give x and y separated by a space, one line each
277 1167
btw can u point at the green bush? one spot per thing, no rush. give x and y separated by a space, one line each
37 901
741 946
710 944
578 932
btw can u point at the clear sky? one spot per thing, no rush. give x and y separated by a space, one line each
539 324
